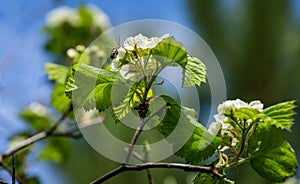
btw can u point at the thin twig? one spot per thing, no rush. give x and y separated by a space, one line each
60 120
13 168
149 174
150 177
5 167
136 156
134 139
140 167
37 137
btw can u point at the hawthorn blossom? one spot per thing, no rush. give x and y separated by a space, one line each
61 15
143 42
65 14
136 67
222 124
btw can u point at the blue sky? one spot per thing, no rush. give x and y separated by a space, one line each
22 58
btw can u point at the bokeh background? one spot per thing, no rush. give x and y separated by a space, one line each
257 44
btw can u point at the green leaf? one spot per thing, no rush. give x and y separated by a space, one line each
90 87
37 118
246 113
169 51
59 100
265 138
200 145
271 156
277 164
57 150
57 73
194 72
120 111
205 178
281 114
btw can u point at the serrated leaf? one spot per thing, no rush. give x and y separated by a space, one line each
169 51
57 73
90 87
271 156
200 144
59 100
281 114
194 73
119 112
246 113
277 164
205 178
265 138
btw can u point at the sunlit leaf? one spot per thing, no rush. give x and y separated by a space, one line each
170 52
281 114
57 73
194 73
200 145
271 156
90 87
59 100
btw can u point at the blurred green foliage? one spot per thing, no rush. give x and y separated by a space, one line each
66 28
258 46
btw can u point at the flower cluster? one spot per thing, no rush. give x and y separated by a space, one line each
65 14
138 65
222 124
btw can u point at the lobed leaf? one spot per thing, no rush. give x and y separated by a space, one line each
56 72
59 100
194 72
120 111
200 145
246 113
90 87
169 52
281 114
271 156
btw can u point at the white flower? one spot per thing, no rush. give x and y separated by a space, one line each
143 42
115 64
100 19
137 66
61 15
125 72
214 127
229 105
256 104
226 108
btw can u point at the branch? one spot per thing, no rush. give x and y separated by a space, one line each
35 138
134 139
138 132
5 167
13 168
185 167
